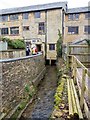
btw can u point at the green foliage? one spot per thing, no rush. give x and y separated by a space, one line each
27 89
15 44
58 94
30 91
22 105
88 41
59 45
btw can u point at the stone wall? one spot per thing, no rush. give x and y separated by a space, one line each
16 73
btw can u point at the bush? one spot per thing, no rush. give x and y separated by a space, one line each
15 44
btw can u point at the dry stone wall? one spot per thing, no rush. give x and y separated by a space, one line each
16 73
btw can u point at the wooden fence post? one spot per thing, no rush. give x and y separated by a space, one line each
75 69
68 53
82 89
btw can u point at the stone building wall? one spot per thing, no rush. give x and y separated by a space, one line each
16 73
81 22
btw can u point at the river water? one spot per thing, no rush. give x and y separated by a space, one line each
41 108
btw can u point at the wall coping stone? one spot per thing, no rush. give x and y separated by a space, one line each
20 58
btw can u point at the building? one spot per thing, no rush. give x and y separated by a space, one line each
77 24
39 25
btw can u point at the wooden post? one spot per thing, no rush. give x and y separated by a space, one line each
82 89
72 66
68 55
75 69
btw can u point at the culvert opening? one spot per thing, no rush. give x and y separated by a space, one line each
47 62
53 62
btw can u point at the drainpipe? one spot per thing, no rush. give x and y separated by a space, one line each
45 34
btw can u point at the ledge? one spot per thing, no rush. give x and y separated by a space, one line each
20 58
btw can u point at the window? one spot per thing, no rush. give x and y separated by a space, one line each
4 18
25 28
14 17
51 46
73 30
41 28
14 30
4 31
25 15
87 15
37 14
73 16
87 29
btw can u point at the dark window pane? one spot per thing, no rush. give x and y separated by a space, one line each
87 15
73 16
25 15
4 31
37 14
73 30
14 30
51 46
41 28
4 18
87 29
25 28
14 17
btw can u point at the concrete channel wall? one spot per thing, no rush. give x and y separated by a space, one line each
14 75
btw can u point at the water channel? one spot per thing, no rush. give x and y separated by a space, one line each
41 108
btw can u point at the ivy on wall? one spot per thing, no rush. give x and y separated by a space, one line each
59 44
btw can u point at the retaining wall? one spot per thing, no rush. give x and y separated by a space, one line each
14 75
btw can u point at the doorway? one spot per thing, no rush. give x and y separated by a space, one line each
39 47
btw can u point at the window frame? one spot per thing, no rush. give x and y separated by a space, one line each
4 18
25 16
52 47
87 15
73 16
37 14
14 29
72 32
5 31
87 29
41 28
14 17
24 28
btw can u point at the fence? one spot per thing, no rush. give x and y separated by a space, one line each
81 76
82 52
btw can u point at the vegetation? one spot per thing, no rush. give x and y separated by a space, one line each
59 45
14 44
29 93
88 41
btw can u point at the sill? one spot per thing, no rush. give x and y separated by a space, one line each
87 18
73 34
14 35
4 34
87 33
74 20
26 30
41 33
13 20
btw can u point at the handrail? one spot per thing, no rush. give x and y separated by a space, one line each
81 81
